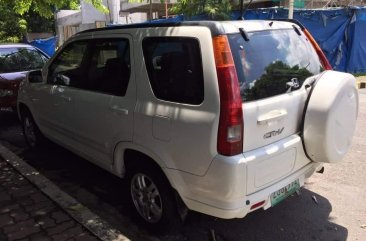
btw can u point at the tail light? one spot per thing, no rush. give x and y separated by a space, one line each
230 133
324 61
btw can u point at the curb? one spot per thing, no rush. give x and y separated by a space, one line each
71 206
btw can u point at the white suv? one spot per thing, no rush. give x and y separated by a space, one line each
223 117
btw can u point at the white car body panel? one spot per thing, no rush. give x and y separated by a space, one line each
158 123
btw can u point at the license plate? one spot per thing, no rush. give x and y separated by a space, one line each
284 192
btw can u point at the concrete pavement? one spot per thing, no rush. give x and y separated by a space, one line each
26 214
69 206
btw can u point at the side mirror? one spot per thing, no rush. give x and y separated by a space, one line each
35 76
62 80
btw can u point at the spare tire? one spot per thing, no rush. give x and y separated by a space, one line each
330 117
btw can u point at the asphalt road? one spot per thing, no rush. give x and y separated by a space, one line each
332 206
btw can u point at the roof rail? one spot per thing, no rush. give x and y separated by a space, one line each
291 21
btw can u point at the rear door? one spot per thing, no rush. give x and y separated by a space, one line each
272 67
176 104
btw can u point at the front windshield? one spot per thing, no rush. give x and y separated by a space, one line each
14 59
270 60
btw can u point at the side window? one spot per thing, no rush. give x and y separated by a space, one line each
174 67
109 67
68 68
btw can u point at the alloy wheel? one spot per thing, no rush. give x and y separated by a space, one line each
146 198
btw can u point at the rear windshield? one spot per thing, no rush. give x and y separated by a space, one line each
272 62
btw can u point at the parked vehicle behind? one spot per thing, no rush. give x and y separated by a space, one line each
15 61
221 117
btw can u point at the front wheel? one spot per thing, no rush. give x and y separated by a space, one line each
153 199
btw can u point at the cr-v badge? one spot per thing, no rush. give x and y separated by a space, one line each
273 133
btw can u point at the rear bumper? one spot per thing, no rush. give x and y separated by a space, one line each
239 208
232 185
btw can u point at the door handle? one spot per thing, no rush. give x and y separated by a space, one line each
271 116
119 110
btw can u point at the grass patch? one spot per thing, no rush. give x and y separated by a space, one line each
359 74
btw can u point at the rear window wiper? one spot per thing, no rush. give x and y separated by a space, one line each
244 34
296 30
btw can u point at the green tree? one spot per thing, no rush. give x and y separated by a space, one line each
46 8
12 26
214 9
21 16
37 24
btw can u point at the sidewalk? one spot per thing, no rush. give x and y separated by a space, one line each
26 214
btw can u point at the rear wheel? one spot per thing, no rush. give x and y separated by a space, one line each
153 198
31 132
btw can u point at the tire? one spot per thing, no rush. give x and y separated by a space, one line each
153 199
33 136
330 116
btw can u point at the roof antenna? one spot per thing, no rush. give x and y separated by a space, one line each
242 11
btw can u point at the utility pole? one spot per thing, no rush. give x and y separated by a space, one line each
291 9
166 9
150 11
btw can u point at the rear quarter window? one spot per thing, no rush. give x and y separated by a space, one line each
270 60
174 67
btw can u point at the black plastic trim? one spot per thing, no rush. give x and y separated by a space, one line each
244 34
304 113
214 26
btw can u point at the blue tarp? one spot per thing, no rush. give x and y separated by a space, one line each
340 32
46 45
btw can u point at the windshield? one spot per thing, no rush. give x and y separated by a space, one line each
20 59
272 61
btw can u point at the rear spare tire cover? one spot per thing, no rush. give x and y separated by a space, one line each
330 117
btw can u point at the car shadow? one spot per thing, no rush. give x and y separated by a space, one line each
300 217
11 130
8 118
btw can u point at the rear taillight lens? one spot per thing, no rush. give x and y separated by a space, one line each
230 133
323 59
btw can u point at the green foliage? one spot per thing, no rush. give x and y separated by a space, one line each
360 74
46 8
98 4
214 9
21 16
12 26
37 23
